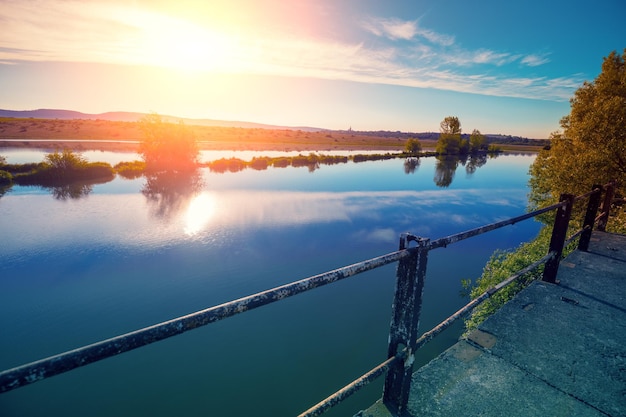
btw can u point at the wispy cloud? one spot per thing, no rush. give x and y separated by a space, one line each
535 60
395 29
401 53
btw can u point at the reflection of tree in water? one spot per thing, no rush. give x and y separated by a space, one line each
168 192
411 165
445 169
474 162
4 187
71 191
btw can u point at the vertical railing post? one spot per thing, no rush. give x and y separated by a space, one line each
406 308
606 206
557 241
590 218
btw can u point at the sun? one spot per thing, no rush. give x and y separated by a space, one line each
166 41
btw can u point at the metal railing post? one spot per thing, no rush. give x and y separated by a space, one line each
590 218
557 241
606 206
406 308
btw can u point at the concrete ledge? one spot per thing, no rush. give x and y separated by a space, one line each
554 350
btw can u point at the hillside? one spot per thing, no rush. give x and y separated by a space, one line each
121 116
212 134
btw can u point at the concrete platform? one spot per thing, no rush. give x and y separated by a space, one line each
554 350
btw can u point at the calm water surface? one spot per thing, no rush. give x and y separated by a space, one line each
75 271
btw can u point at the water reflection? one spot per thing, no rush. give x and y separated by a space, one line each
411 165
168 193
445 167
474 162
201 209
71 191
4 189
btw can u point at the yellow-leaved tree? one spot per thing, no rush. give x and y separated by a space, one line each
591 148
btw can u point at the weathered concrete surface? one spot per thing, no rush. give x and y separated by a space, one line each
554 350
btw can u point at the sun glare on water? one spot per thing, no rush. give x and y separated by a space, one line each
201 209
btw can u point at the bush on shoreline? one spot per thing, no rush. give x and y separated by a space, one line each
58 168
130 170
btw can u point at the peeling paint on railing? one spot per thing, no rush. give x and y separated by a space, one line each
54 365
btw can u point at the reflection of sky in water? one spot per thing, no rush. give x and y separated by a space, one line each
377 196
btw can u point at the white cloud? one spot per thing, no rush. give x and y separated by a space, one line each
535 60
399 29
396 29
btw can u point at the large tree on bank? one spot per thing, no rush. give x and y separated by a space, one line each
167 146
591 148
449 141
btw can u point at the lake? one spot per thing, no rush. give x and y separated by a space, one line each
128 254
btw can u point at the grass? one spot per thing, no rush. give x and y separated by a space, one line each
213 137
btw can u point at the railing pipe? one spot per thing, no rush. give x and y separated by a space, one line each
354 386
54 365
595 189
559 233
445 241
574 236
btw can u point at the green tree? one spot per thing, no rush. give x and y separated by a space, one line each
476 141
168 146
413 146
449 141
591 148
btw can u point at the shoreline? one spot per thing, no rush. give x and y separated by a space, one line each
133 146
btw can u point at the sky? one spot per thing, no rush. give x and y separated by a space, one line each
507 67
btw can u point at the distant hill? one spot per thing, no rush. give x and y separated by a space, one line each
121 116
133 117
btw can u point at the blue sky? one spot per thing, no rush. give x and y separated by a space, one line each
501 67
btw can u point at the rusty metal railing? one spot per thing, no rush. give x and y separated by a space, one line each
410 276
406 307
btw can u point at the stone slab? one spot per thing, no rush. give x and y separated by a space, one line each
469 381
574 343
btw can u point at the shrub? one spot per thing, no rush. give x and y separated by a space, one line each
413 146
260 163
130 170
65 160
5 178
501 266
